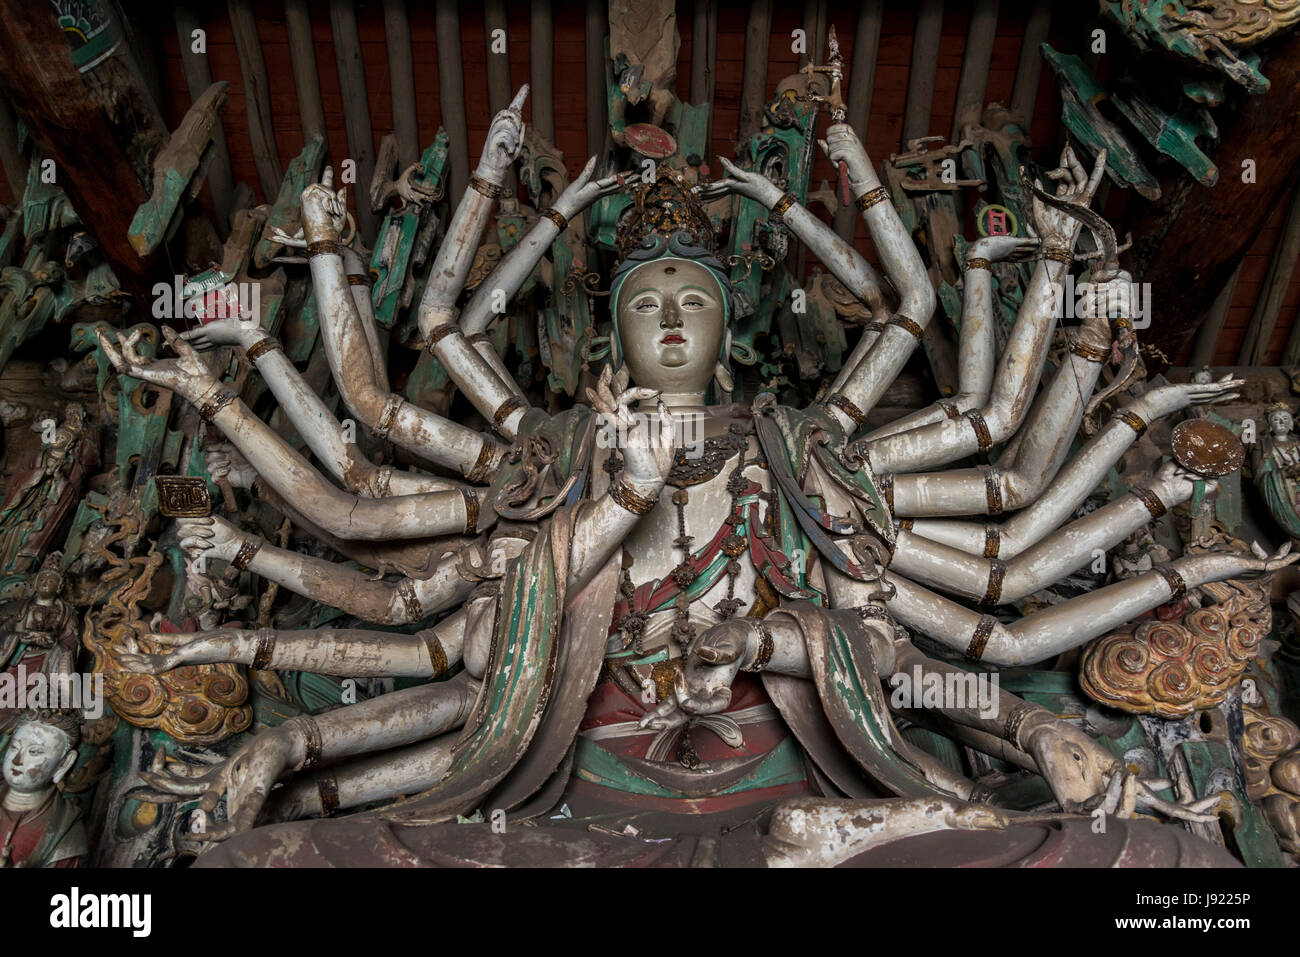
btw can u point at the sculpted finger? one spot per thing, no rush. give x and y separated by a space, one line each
517 104
327 178
113 356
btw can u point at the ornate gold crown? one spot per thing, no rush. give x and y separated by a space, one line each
666 208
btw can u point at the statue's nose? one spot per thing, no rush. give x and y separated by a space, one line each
672 318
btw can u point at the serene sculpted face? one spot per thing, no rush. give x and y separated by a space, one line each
671 321
1280 422
35 758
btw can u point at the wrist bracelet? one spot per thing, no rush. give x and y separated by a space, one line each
505 409
1177 584
327 787
1150 499
630 499
261 347
387 415
1060 254
1086 351
471 511
410 600
324 247
980 637
779 208
486 187
1015 722
976 262
910 325
1132 420
247 549
871 197
766 645
216 400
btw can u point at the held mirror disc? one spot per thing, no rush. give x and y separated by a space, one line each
650 141
1207 448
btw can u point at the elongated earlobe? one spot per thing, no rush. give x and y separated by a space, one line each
723 376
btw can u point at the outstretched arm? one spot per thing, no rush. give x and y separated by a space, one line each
1053 630
339 513
996 581
1073 483
844 262
350 590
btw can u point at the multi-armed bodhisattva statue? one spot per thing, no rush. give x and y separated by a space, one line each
645 583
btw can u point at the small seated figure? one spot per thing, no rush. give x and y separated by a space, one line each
43 635
39 827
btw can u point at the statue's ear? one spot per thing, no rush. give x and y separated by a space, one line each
65 766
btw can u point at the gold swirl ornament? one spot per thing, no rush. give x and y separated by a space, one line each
1172 668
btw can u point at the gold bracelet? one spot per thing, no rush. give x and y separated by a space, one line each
992 541
842 402
980 637
365 280
1016 719
249 548
900 320
480 471
1085 351
981 428
950 409
766 645
264 649
386 417
1132 420
1060 254
488 189
975 262
871 197
997 571
780 206
630 499
505 409
471 511
1150 499
327 786
992 490
437 334
262 346
555 216
1177 584
312 745
324 247
437 654
217 400
406 592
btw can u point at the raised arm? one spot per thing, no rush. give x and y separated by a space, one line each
310 416
352 361
977 349
866 377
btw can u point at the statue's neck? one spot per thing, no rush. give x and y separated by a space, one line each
679 403
25 800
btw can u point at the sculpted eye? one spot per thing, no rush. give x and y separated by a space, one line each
693 302
645 305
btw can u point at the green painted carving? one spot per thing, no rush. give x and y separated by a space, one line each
396 251
179 170
1080 94
1175 134
286 212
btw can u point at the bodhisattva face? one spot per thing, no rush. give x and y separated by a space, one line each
37 756
1280 423
671 322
